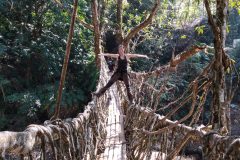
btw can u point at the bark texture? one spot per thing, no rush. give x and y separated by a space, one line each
220 119
97 32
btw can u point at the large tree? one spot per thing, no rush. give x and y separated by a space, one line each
221 101
121 37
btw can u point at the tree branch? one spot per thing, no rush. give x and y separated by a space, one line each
185 55
169 127
174 62
233 150
210 17
119 15
142 25
86 25
102 11
192 135
119 19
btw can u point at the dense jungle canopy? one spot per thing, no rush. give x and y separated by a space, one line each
33 37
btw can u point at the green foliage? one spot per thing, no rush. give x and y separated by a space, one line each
200 29
32 46
235 4
183 36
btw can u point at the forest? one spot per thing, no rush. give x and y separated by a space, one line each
51 64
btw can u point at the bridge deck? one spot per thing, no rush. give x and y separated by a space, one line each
115 147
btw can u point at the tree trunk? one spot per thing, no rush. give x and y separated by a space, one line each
219 108
65 63
97 33
119 35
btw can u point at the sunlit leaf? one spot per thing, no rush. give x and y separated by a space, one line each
200 29
183 36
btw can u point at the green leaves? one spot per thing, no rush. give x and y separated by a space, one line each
200 29
183 36
235 4
32 46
